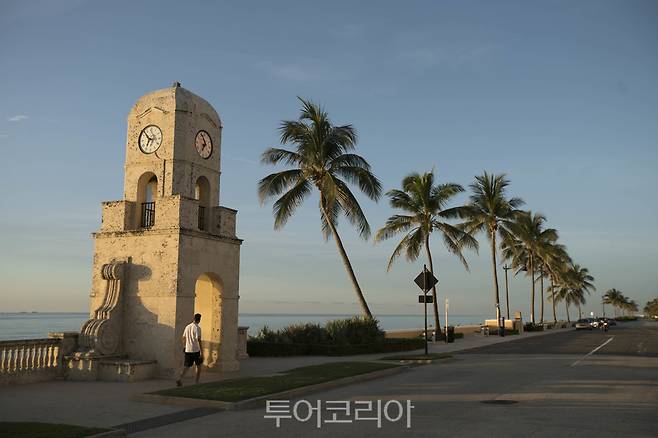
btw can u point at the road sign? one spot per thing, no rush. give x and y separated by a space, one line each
425 280
429 299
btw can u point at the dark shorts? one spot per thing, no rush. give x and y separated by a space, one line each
193 358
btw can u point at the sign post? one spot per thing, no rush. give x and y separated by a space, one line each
426 281
446 323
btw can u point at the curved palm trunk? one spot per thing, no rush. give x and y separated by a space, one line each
437 324
348 266
495 275
580 313
541 285
532 279
566 306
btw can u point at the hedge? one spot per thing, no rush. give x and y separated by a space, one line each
268 349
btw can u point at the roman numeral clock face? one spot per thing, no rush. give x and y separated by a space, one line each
150 139
203 144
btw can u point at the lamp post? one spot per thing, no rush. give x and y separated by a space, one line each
507 268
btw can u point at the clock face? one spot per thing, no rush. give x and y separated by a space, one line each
203 144
150 139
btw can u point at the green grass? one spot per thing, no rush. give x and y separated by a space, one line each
46 430
249 387
430 356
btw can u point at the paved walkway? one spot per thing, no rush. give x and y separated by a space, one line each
109 404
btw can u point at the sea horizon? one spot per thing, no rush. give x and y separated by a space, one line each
35 324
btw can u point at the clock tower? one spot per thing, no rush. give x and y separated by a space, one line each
167 250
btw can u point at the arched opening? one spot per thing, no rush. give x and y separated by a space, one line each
207 302
202 194
147 191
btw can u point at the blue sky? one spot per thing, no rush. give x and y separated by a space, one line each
560 95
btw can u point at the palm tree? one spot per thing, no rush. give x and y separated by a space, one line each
523 246
614 298
575 282
490 211
321 156
425 205
581 283
556 260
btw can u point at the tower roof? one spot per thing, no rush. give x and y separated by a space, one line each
174 98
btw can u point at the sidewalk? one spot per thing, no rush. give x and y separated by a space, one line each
107 404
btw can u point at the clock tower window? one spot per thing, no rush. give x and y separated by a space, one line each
147 191
202 194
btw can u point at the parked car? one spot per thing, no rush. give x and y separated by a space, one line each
583 324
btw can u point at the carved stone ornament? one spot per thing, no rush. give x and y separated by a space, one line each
102 333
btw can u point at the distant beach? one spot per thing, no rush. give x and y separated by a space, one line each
33 325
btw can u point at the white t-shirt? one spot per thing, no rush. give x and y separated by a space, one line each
192 334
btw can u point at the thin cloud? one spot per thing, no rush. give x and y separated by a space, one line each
428 57
286 71
305 71
17 118
242 160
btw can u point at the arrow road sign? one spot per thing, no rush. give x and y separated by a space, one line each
425 280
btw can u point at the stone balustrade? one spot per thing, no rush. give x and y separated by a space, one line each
34 360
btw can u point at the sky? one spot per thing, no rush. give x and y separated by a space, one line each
562 96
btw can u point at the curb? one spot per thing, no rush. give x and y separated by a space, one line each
109 434
260 400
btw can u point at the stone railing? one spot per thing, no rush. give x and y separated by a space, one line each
34 360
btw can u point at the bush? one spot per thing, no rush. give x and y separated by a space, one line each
626 318
355 330
530 327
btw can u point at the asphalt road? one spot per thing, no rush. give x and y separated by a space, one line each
629 339
580 384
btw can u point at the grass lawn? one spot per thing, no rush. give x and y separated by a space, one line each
430 356
248 387
45 430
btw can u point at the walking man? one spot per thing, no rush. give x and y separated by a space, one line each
193 352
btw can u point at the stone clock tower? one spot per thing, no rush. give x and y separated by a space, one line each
167 250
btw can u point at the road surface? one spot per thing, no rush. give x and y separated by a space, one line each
570 384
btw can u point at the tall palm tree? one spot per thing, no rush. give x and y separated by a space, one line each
523 247
321 156
490 211
557 261
425 206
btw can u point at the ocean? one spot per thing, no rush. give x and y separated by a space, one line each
37 325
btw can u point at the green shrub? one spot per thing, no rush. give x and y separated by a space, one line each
626 318
306 333
530 327
355 330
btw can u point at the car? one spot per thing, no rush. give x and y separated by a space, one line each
583 324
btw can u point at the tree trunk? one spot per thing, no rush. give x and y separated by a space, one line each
348 266
580 313
495 276
566 305
507 291
553 301
437 324
532 279
541 285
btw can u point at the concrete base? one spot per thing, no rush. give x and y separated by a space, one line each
85 367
